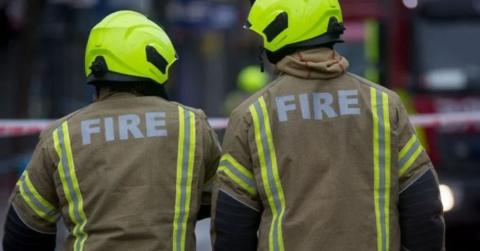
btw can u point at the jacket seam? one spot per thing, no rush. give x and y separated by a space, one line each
410 183
28 225
243 203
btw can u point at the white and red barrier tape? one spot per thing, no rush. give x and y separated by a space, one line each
11 128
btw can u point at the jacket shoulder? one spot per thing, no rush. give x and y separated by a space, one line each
243 108
47 132
391 94
198 112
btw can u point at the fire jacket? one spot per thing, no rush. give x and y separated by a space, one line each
124 173
322 159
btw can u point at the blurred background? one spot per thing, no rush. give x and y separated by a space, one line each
426 50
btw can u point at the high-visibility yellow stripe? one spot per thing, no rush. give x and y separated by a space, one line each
237 165
409 154
386 121
251 190
261 156
68 177
185 164
382 166
411 160
178 190
191 158
269 172
376 166
407 147
35 201
276 175
238 173
83 219
66 190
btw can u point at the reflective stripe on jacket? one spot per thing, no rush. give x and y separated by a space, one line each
322 155
125 173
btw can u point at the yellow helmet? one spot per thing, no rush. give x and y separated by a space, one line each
252 79
286 25
127 46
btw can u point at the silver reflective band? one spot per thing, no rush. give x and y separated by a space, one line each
249 181
410 153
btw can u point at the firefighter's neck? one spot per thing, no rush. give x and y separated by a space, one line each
107 92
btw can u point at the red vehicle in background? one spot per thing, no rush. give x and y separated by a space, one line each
428 51
439 66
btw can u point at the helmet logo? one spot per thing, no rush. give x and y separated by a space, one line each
276 27
156 59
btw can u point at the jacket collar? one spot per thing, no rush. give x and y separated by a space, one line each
318 63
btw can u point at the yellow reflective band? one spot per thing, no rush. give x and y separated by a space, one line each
35 201
238 173
274 168
269 172
185 163
237 165
71 187
409 154
411 160
407 147
382 166
388 161
178 193
376 160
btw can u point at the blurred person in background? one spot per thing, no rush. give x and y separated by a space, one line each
130 171
250 80
321 159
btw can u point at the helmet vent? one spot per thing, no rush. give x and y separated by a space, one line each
156 59
99 67
276 27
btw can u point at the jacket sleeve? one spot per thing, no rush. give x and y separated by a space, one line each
420 208
236 207
212 154
33 214
34 197
18 236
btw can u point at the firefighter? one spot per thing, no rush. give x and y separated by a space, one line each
321 159
130 171
250 80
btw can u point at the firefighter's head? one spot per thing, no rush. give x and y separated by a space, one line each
287 26
126 47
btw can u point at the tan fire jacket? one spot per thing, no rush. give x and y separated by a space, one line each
322 155
125 173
